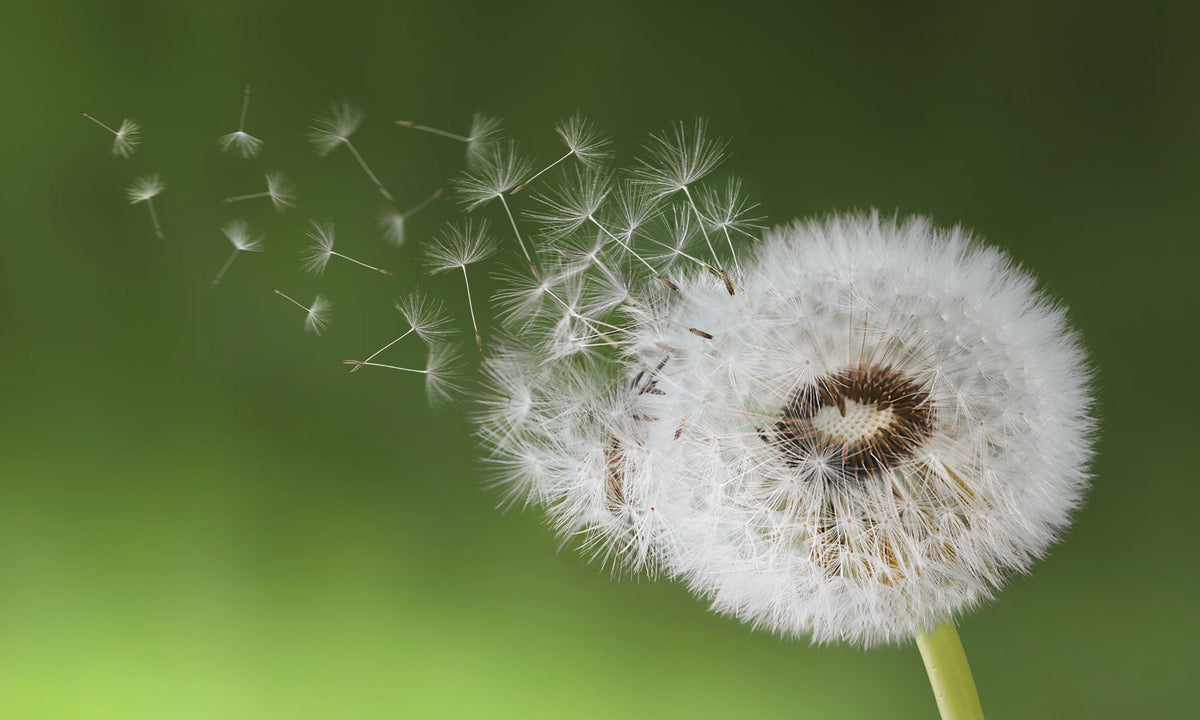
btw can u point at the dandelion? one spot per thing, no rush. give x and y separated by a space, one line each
238 234
393 224
278 189
240 140
460 245
425 317
485 130
334 128
500 170
584 142
317 316
884 424
320 250
145 189
125 138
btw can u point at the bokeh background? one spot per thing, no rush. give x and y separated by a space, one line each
203 516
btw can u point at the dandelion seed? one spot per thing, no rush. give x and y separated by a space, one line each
729 210
145 189
393 224
425 317
484 131
238 234
334 128
317 316
678 160
584 142
125 138
442 372
278 189
498 171
460 245
317 254
240 140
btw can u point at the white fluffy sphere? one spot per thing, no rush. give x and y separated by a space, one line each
880 425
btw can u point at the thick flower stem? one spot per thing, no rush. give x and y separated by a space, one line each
949 674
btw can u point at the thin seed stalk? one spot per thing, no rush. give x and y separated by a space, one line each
949 673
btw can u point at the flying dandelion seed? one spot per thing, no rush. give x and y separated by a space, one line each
145 189
676 161
317 316
125 138
238 234
241 141
498 171
393 224
278 189
425 317
320 250
333 128
460 245
584 142
442 371
484 131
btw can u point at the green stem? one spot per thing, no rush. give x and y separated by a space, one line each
949 674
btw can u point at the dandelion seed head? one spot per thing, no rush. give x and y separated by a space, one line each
444 371
584 139
572 203
144 188
728 208
393 225
126 139
317 252
425 315
319 316
238 234
240 142
882 425
499 169
460 244
334 127
484 132
679 157
280 191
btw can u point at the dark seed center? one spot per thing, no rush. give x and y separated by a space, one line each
860 421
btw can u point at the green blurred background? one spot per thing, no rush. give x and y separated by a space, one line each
203 516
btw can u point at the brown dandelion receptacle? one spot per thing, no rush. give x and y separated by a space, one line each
861 420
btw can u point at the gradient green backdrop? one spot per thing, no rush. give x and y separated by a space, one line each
203 516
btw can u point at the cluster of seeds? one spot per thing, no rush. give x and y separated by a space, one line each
849 429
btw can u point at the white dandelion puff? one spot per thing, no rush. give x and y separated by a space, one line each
278 189
886 422
459 245
485 130
317 253
394 223
125 138
317 316
584 140
333 129
145 189
241 141
238 234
